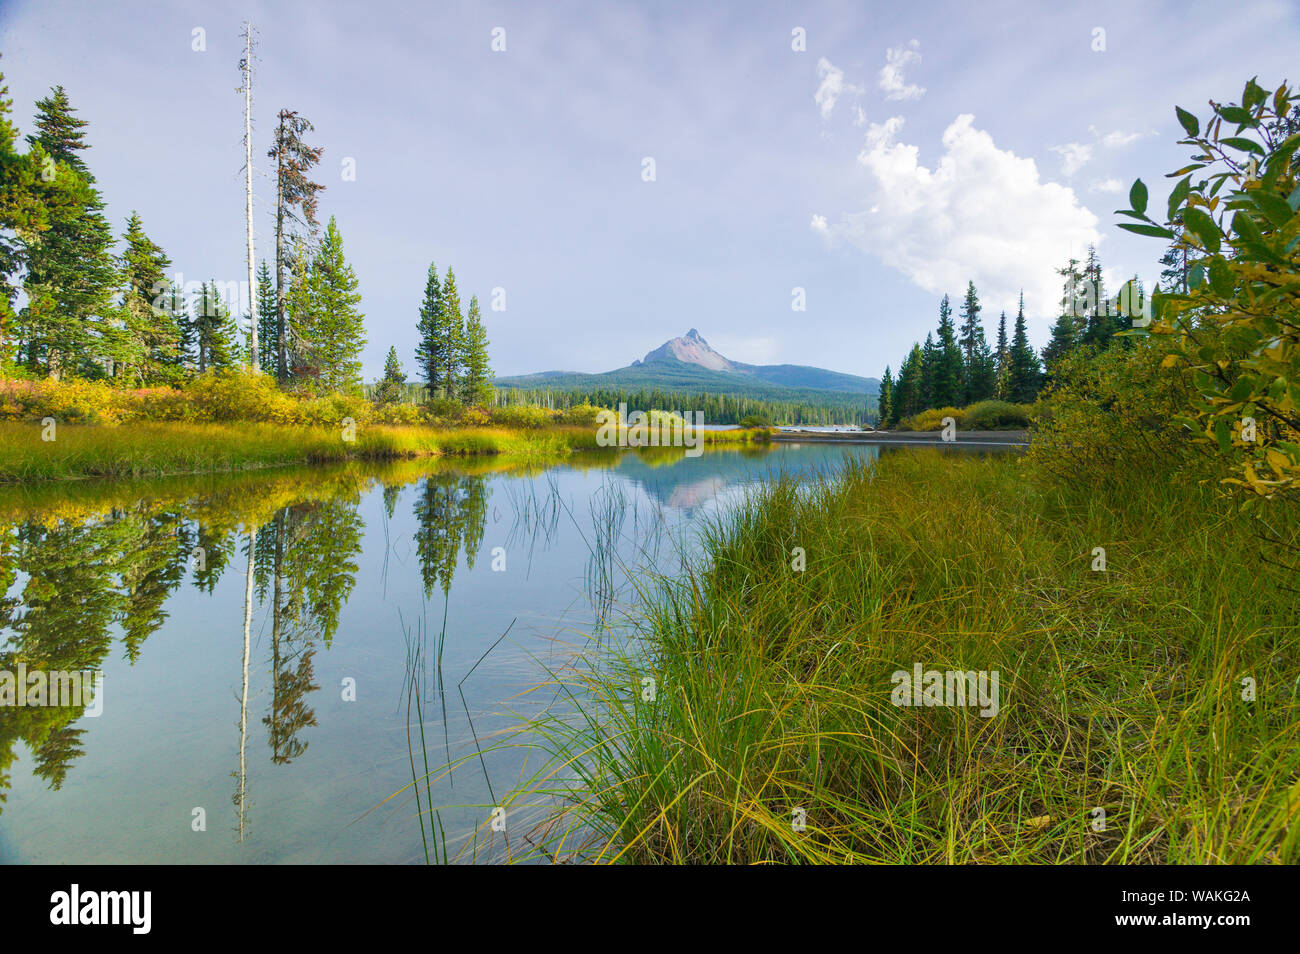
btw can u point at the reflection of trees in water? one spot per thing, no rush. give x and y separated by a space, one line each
306 565
81 578
450 513
78 578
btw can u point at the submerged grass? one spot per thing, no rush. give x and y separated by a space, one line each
1125 690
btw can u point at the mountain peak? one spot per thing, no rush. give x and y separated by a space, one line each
690 349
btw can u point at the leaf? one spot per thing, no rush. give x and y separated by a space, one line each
1235 114
1221 278
1275 208
1153 230
1293 199
1190 122
1242 143
1179 195
1246 227
1253 94
1137 197
1223 436
1184 170
1203 227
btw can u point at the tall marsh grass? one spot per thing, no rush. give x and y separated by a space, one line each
1125 732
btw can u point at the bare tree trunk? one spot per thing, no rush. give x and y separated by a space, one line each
242 790
281 332
248 189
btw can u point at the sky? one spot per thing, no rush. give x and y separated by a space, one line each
605 176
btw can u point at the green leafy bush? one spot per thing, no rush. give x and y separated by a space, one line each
931 419
995 415
1235 327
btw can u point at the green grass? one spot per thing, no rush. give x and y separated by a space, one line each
1120 690
134 450
154 449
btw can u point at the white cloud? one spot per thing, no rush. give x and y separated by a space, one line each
859 117
981 213
832 87
1106 185
897 59
819 224
1074 156
1116 138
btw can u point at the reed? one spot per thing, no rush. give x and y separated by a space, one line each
1124 731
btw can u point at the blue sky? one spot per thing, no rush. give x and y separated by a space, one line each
905 149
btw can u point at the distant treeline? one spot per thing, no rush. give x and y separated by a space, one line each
834 408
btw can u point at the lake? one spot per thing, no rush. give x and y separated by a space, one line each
395 617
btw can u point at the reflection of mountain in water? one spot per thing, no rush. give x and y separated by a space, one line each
688 483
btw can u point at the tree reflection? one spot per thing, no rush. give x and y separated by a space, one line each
450 513
69 585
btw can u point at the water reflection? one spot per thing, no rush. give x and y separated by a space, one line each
250 581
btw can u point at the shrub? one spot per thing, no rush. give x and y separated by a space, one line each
580 415
404 414
240 395
523 415
931 420
1236 325
1106 411
995 415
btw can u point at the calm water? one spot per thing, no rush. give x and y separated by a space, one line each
291 738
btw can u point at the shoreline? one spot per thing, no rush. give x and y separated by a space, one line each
1015 438
173 449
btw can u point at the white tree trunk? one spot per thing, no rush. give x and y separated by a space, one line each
248 190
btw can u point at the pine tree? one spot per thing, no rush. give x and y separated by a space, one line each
948 383
295 208
27 201
970 324
336 330
884 403
476 383
392 386
71 277
150 340
985 376
907 393
979 378
1095 322
216 337
300 316
1024 375
431 355
929 361
1002 360
267 317
1173 277
182 313
1065 330
453 334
